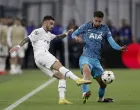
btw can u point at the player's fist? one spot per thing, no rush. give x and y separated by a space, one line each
124 48
70 31
14 49
78 39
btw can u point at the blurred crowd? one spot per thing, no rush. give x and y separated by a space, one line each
12 31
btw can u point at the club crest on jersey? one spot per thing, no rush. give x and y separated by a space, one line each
96 36
36 32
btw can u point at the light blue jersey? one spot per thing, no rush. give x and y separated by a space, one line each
93 39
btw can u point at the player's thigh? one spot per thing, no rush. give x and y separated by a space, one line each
45 69
46 59
86 69
85 65
21 53
97 69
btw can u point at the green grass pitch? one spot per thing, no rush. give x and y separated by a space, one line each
125 90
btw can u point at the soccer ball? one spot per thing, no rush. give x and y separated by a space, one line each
108 77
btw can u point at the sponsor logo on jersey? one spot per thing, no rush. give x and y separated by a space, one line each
96 36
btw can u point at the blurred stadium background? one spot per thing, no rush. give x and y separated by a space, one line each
123 19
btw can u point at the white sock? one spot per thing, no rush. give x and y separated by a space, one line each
83 94
68 73
13 67
62 88
18 67
101 99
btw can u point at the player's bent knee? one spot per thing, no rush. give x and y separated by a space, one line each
103 85
86 70
58 75
57 65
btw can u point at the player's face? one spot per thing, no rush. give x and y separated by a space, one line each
97 21
49 24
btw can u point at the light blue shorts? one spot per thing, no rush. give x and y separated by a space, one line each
94 64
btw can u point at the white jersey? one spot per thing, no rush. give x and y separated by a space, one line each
40 40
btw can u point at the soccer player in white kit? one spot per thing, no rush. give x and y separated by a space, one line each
40 39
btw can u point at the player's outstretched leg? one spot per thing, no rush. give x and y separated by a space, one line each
61 84
102 90
86 74
67 73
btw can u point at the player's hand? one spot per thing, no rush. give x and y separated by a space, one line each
124 48
14 49
70 31
78 39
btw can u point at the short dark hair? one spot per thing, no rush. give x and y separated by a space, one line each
48 18
99 14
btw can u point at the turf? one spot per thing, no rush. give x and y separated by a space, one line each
125 90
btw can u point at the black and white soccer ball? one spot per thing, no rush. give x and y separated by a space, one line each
108 77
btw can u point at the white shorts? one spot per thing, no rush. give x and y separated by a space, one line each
44 61
20 53
3 50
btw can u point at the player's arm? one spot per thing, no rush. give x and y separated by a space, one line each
113 44
61 36
79 31
32 37
16 48
24 41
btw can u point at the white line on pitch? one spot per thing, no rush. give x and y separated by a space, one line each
12 106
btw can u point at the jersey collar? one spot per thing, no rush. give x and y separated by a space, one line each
96 27
45 30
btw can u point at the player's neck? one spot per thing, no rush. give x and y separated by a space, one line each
45 28
95 25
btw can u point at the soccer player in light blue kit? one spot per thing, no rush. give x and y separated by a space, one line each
93 36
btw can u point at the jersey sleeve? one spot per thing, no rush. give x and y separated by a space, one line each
34 35
79 31
53 36
113 44
108 32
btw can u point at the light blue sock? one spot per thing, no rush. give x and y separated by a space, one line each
84 88
101 92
